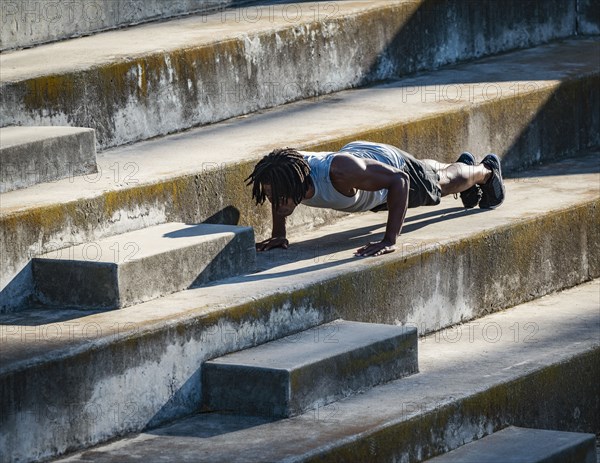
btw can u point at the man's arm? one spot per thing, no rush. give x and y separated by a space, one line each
278 236
349 172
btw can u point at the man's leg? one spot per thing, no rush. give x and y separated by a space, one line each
477 183
458 177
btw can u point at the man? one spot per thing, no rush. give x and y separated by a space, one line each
366 176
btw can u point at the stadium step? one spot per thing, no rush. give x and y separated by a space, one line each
97 375
32 155
521 445
155 79
29 24
308 370
546 111
142 265
534 365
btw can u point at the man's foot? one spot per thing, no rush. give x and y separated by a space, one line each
493 190
470 198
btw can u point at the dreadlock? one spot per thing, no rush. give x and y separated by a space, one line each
286 171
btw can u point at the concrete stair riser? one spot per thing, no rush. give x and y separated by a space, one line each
150 94
131 372
309 370
27 24
527 402
526 445
523 129
32 155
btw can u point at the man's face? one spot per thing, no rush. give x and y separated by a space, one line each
285 205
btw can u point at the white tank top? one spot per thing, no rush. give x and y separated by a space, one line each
325 193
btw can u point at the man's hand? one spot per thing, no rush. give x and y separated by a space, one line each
375 249
275 242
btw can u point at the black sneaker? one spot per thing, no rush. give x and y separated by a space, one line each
470 198
493 190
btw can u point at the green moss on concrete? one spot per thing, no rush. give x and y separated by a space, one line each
49 92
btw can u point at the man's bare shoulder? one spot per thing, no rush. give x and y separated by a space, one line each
344 162
345 169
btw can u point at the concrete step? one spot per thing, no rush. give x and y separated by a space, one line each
30 24
548 110
534 365
521 445
162 78
309 370
32 155
70 379
142 265
26 24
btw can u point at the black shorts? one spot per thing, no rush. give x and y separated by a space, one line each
424 182
424 189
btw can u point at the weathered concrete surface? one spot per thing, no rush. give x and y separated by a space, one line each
308 370
548 110
31 22
123 370
535 365
142 265
588 17
523 445
157 79
32 155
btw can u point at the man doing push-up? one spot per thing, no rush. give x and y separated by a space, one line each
365 176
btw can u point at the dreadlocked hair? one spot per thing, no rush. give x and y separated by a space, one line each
286 171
